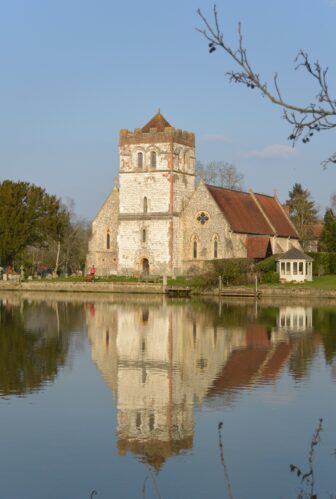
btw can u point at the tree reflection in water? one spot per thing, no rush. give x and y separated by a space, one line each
34 341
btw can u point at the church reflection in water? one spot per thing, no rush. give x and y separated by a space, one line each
159 359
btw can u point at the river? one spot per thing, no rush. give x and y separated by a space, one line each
146 397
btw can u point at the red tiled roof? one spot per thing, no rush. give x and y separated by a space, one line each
241 211
276 216
158 122
257 246
316 230
252 213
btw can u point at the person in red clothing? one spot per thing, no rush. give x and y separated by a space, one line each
93 271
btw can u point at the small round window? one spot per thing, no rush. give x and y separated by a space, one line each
202 218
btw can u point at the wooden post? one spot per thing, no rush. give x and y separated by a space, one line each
256 286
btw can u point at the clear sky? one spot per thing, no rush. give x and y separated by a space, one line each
73 72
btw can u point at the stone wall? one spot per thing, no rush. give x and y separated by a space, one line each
229 244
133 249
152 197
105 223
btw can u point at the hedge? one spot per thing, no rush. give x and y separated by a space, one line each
324 263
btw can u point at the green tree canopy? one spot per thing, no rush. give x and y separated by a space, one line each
28 217
302 211
328 238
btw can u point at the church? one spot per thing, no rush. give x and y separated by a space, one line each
157 221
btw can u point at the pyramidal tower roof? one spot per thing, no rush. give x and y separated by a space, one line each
158 121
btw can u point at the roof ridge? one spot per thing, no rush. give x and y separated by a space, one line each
225 188
262 211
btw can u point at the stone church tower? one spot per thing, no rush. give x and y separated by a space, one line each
156 178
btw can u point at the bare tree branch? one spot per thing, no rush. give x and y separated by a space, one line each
304 120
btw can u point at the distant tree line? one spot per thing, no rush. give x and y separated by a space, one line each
304 214
38 231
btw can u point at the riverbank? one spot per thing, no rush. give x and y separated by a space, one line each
295 291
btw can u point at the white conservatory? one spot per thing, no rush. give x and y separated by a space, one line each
294 265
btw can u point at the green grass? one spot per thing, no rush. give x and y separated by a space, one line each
322 282
199 282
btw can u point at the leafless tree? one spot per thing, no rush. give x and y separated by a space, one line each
220 173
305 121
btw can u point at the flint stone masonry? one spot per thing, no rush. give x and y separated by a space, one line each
133 250
106 222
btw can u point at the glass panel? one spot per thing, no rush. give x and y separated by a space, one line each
288 268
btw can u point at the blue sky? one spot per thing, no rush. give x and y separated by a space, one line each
74 72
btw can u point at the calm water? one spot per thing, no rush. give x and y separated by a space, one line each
124 395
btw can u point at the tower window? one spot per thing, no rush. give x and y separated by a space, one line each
140 160
145 205
153 159
144 235
195 248
108 241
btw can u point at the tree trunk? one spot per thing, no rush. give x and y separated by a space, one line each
57 258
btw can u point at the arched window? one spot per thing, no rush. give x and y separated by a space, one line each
140 160
195 248
215 247
153 159
108 240
145 205
144 235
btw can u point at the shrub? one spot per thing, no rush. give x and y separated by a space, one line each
267 265
270 277
233 270
324 263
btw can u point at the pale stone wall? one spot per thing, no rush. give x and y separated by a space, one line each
132 249
129 156
283 244
135 186
230 245
106 222
150 200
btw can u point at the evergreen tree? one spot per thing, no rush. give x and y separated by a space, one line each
328 238
28 217
302 211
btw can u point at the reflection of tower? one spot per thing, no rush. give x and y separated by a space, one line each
156 361
155 417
